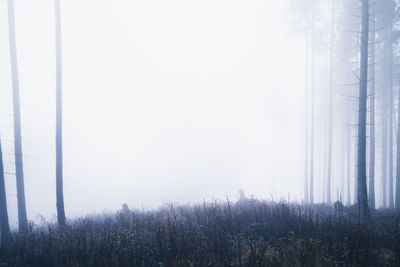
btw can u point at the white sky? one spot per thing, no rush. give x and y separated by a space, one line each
163 101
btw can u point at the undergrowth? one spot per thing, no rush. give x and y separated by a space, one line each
246 233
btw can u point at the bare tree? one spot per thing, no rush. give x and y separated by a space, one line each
4 225
385 20
388 47
312 102
390 118
329 160
384 149
306 152
59 155
308 51
371 192
362 116
391 114
22 218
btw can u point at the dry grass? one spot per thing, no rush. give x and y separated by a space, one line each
246 233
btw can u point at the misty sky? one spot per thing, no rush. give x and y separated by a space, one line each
164 101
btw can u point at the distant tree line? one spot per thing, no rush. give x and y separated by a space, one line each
356 88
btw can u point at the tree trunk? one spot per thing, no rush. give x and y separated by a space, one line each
59 155
306 193
391 197
355 180
371 180
390 118
362 117
348 164
397 200
4 225
329 166
325 170
343 167
384 147
312 108
19 173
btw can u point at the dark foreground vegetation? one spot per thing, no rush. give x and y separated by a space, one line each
246 233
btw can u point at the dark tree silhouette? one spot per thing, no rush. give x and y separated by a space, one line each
59 155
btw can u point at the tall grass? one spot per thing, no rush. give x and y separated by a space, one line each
246 233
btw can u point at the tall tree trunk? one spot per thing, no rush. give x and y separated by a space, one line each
387 119
4 225
348 163
19 173
371 192
397 200
59 155
306 193
329 166
384 147
390 118
362 117
355 180
312 107
390 187
343 167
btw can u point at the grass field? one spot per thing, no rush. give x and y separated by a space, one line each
245 233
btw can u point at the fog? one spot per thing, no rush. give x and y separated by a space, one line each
164 101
